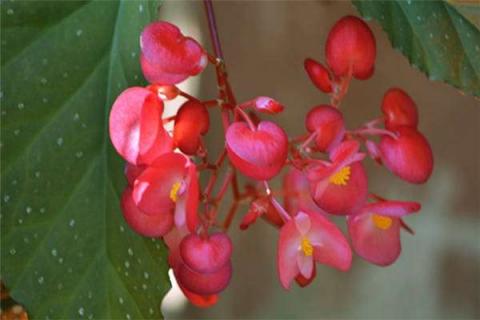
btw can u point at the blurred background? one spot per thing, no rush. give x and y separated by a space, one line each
438 273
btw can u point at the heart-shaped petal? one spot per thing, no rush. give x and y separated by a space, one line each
350 47
166 51
327 122
409 156
399 109
259 154
206 255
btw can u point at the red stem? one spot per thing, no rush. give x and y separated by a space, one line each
212 27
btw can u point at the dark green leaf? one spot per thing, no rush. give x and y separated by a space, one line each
433 36
66 251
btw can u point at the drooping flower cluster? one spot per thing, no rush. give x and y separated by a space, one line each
325 175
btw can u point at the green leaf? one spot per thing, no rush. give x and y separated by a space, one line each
433 36
469 9
66 251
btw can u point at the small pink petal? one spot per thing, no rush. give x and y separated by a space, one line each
305 264
344 151
302 222
268 105
392 208
288 243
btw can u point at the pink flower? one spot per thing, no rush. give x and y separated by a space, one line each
147 225
297 193
375 230
135 126
309 238
409 156
341 186
258 153
170 184
168 57
327 122
201 289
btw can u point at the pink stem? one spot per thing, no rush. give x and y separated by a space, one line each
246 118
375 132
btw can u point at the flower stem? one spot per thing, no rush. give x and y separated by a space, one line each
212 27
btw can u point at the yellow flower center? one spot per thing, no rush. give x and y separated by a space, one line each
341 177
174 191
307 247
381 222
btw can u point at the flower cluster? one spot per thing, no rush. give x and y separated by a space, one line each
325 175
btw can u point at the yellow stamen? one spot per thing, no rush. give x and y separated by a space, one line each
381 222
341 177
174 191
307 247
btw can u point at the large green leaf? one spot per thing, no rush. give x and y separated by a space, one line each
433 36
66 251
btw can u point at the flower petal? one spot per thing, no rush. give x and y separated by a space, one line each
329 243
201 301
302 222
152 188
392 208
297 193
147 225
305 265
288 244
376 245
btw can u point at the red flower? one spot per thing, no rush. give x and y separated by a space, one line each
375 230
191 122
259 153
168 57
170 184
351 48
409 156
399 109
135 125
200 287
297 193
145 224
319 75
309 238
327 122
339 187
